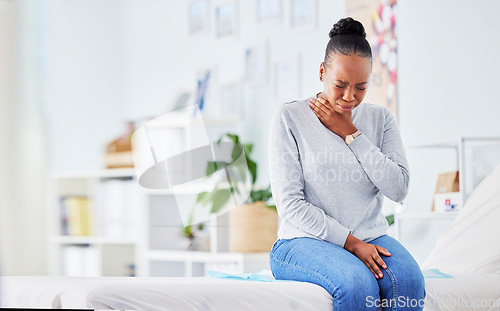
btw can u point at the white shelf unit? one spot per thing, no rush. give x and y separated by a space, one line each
398 216
160 249
102 252
225 262
464 167
165 248
466 151
166 254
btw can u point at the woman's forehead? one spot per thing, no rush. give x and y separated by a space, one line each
350 67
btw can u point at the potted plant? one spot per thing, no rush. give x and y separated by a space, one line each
253 224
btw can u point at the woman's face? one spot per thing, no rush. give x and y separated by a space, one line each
345 81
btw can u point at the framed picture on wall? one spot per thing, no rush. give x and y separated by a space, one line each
256 64
268 11
302 14
230 99
286 78
226 19
198 16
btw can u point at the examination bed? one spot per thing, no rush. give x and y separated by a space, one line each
461 273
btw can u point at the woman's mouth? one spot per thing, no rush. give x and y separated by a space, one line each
346 108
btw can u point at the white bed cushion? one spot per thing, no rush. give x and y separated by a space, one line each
471 243
463 292
206 293
40 291
161 293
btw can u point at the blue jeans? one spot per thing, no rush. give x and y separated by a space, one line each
351 284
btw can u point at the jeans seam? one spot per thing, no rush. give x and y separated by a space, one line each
394 286
303 269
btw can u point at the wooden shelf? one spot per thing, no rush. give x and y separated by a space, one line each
105 173
426 215
183 190
64 239
198 256
185 120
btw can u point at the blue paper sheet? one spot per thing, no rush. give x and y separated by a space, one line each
246 276
436 274
262 277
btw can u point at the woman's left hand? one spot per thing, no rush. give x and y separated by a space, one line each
340 124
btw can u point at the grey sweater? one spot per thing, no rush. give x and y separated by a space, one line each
325 189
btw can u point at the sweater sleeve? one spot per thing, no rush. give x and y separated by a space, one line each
287 184
386 167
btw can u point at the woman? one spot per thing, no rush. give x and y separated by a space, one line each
332 160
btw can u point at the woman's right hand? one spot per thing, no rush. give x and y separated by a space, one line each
368 254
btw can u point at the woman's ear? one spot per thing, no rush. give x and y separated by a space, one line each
321 71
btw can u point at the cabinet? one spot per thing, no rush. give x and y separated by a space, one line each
166 254
138 231
93 223
135 231
168 209
473 157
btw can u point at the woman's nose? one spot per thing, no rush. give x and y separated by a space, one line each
348 94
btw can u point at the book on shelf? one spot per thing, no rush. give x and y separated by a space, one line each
75 216
117 204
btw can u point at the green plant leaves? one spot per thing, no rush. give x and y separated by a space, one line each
213 166
390 219
273 207
261 195
216 199
219 199
203 197
233 137
236 153
220 195
247 148
252 167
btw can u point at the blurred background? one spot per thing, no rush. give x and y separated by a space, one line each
74 74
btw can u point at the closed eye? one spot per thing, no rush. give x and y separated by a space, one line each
358 88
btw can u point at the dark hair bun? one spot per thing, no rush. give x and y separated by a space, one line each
348 26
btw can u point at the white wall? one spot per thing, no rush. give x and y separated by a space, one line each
448 74
448 77
110 61
164 59
8 30
85 99
117 60
22 149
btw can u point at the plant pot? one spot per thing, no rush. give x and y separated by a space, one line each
252 228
